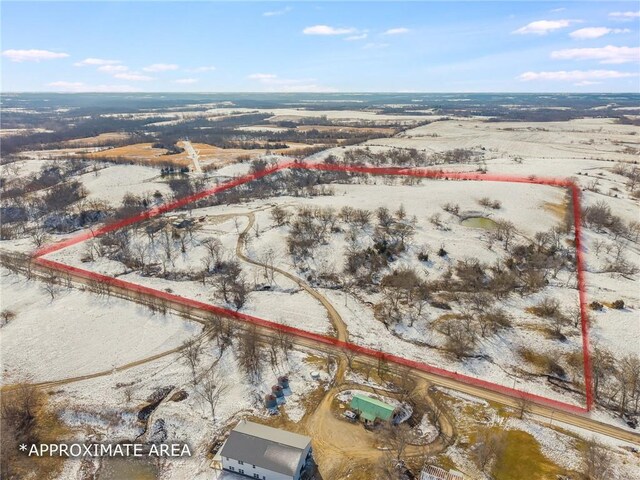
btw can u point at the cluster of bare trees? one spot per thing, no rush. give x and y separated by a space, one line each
616 381
551 309
250 352
601 218
230 284
488 203
44 199
405 296
478 318
21 421
390 236
295 183
411 157
153 248
632 173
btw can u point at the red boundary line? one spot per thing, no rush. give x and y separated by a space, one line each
415 172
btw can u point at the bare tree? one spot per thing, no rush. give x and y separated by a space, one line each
191 354
523 405
285 342
212 388
214 250
51 283
350 355
166 253
489 447
387 468
128 393
19 423
38 236
280 215
504 231
250 353
597 462
397 437
267 260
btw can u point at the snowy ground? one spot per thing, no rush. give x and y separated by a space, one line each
78 333
287 304
284 303
558 442
110 184
100 408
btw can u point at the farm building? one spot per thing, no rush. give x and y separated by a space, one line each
265 453
371 408
430 472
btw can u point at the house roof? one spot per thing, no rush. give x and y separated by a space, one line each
371 408
430 472
270 448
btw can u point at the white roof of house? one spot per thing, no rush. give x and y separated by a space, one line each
270 448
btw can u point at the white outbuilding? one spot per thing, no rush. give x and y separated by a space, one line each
265 453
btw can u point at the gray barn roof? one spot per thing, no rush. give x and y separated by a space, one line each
269 448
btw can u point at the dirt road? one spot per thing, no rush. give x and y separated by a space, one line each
336 320
575 419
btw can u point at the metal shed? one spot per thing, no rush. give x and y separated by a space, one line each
371 408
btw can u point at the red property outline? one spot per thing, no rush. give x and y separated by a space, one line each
415 172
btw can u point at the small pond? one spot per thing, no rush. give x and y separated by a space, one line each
127 469
479 222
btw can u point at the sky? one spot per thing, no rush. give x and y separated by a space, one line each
475 46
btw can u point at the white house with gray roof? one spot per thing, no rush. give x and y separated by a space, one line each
265 453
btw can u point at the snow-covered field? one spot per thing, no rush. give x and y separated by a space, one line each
285 303
110 184
78 333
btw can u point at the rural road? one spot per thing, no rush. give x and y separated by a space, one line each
336 320
20 261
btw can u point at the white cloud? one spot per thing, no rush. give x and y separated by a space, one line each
66 85
262 76
275 13
160 67
209 68
608 54
273 83
542 27
77 87
95 62
327 30
32 55
186 81
135 77
585 83
557 10
371 46
356 37
396 31
595 32
112 68
574 75
625 15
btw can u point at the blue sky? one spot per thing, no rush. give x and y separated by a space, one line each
321 46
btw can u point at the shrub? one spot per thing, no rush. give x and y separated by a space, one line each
597 306
618 305
6 316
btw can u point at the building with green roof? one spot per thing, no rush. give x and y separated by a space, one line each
371 408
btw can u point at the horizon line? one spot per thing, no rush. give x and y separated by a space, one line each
353 92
